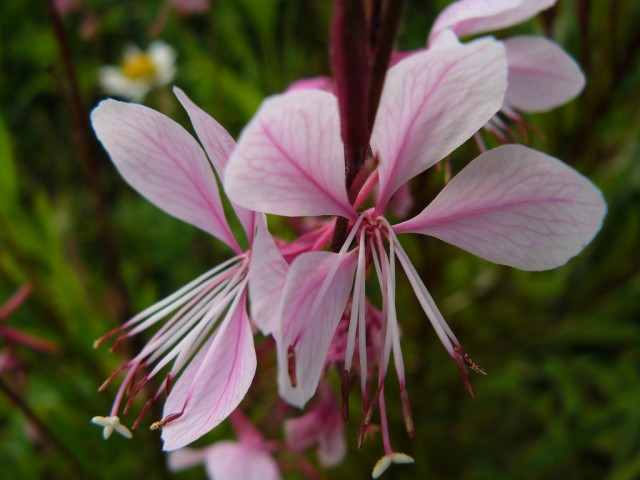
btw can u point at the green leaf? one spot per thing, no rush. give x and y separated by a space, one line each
8 175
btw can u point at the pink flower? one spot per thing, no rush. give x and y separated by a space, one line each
511 205
323 426
541 75
247 459
206 334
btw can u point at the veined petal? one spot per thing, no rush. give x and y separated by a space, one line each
541 75
515 206
469 17
218 144
290 158
431 103
232 460
314 300
267 276
214 382
165 164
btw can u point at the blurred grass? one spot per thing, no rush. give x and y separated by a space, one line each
561 347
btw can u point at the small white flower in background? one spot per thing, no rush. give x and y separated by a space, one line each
139 71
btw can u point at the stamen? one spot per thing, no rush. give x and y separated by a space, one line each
168 419
406 412
345 387
356 306
469 362
229 317
366 418
384 424
291 366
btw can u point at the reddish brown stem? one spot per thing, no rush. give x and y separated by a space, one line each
83 140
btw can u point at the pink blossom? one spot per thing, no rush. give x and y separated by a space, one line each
541 75
321 426
511 205
247 459
206 333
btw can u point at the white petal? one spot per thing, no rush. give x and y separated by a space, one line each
290 158
432 102
469 17
541 75
515 206
159 158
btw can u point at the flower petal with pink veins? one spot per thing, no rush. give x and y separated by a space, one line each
232 460
515 206
218 378
470 17
218 144
541 75
314 300
432 102
267 276
165 164
290 158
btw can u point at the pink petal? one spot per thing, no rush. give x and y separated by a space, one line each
322 425
218 144
315 297
290 158
541 75
469 17
232 460
318 83
159 158
185 458
267 276
515 206
218 377
432 102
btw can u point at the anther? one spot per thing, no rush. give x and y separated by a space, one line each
406 413
168 419
291 366
346 385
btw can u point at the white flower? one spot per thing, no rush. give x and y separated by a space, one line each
139 71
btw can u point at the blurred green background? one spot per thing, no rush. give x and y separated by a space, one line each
562 347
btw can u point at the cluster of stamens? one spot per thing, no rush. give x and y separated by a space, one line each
190 317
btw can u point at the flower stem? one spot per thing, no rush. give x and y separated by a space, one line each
350 61
360 54
382 51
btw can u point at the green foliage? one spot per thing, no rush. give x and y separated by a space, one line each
561 347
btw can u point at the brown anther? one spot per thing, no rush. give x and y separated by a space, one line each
366 418
291 366
468 361
106 383
346 386
406 414
169 418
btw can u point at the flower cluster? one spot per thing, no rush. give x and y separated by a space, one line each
511 205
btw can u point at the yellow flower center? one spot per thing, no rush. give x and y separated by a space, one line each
138 66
